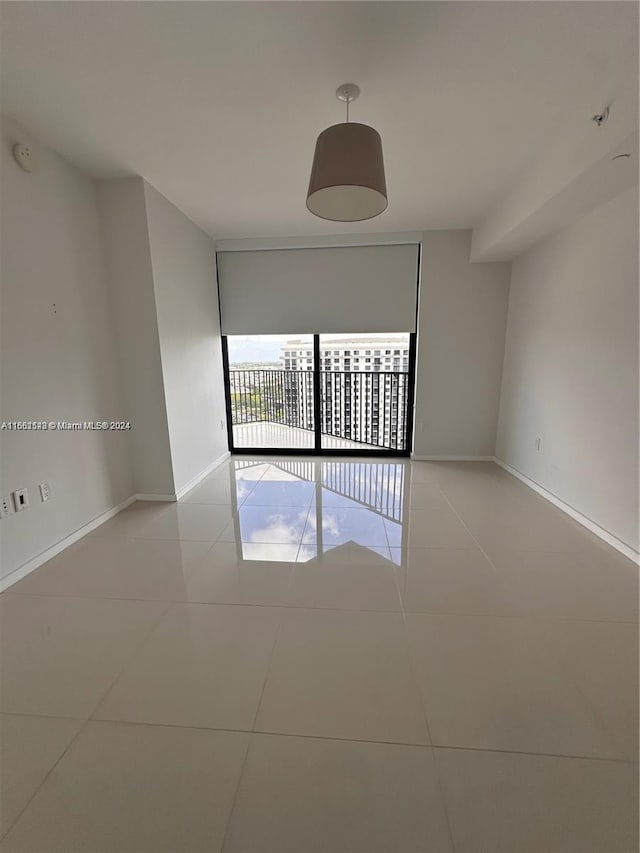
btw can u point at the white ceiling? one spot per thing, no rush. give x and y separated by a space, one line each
218 104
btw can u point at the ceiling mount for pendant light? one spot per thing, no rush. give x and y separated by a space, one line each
347 177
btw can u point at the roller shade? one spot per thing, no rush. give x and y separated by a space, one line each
345 289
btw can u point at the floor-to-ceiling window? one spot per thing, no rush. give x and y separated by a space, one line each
339 393
270 382
364 390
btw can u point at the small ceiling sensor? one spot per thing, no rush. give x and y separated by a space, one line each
23 157
601 118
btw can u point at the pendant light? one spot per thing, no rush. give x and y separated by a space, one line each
347 177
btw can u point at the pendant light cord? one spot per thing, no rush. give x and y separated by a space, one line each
347 103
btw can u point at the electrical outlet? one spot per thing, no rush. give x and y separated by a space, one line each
5 507
21 499
45 491
221 424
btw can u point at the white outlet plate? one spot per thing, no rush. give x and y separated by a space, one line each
45 491
5 507
21 499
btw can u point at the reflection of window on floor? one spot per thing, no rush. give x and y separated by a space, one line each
356 504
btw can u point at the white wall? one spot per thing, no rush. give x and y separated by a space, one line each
571 367
58 363
184 280
126 240
462 318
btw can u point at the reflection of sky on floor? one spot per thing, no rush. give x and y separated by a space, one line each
356 504
394 534
272 524
272 493
242 490
340 525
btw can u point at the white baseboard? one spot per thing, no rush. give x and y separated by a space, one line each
35 562
200 477
154 496
603 534
451 458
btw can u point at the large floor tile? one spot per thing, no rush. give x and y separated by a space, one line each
342 524
583 585
129 522
489 497
490 683
451 580
198 522
427 496
220 490
29 748
131 788
600 659
429 472
349 577
433 529
342 674
267 524
223 576
542 529
507 803
205 665
118 568
60 655
327 796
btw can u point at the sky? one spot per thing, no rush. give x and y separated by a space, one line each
257 348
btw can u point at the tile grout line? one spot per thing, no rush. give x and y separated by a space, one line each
134 654
84 725
409 744
235 792
521 616
476 542
258 704
264 684
418 688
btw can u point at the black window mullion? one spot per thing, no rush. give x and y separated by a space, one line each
317 425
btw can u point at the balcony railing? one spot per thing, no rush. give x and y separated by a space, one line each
369 408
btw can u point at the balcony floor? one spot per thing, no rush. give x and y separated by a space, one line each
267 434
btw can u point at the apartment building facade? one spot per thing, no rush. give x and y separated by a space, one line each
363 387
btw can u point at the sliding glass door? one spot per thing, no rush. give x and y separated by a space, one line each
270 391
364 385
335 394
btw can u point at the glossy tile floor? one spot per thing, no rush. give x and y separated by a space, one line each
308 655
